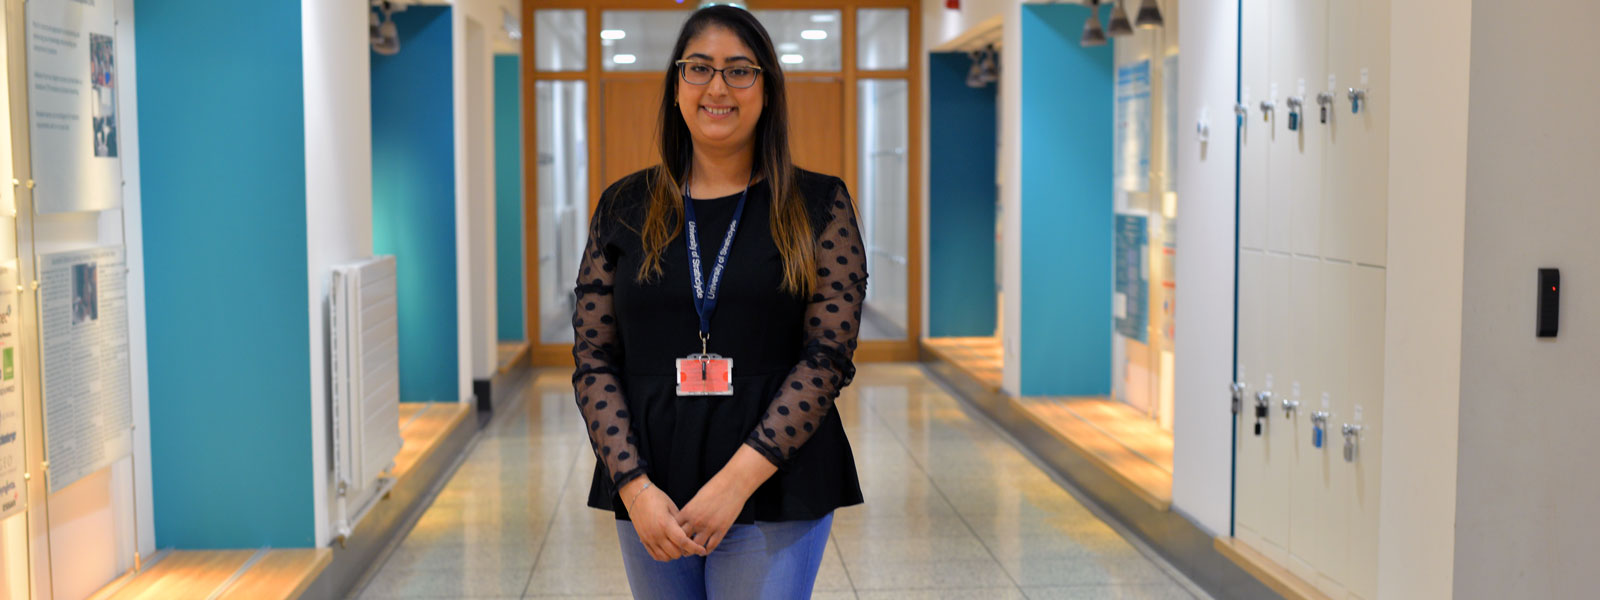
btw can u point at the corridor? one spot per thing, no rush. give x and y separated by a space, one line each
953 510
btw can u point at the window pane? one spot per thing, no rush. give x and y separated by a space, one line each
563 201
883 38
639 40
806 40
882 198
558 40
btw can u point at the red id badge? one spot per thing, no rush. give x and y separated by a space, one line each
705 375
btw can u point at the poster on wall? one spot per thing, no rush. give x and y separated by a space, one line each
1130 150
13 489
1130 306
72 101
88 416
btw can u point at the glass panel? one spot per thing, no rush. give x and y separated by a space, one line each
806 40
883 38
639 40
558 40
882 199
563 201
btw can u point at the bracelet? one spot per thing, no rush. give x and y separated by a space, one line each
636 495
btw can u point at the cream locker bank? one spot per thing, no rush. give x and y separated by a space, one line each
1312 242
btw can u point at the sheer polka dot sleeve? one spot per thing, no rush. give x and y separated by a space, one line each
833 320
597 352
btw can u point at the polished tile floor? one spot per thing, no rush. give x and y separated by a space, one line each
953 511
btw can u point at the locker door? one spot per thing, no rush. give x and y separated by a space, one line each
1340 181
1366 381
1255 135
1331 507
1306 377
1370 183
1308 36
1250 450
1279 438
1283 60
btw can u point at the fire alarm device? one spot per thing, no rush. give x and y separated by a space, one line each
1549 305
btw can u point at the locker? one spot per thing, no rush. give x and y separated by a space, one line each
1366 379
1332 511
1255 136
1298 81
1306 381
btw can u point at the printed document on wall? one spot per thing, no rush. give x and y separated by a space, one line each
72 103
1130 143
88 416
13 489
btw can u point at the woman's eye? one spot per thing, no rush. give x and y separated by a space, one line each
699 69
739 72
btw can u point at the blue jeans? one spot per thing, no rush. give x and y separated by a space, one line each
765 560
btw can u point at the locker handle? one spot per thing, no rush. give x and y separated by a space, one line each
1289 408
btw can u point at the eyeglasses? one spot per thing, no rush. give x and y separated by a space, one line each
699 73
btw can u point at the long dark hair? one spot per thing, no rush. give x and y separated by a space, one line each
791 227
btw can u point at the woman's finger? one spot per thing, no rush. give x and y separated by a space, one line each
682 541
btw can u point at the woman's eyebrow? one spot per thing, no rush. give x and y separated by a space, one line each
698 56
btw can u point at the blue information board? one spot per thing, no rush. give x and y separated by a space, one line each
1130 307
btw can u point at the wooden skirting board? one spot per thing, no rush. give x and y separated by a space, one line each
278 574
1281 580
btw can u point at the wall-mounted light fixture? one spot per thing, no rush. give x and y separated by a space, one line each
1093 35
1119 25
1149 15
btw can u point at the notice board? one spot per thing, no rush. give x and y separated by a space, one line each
87 395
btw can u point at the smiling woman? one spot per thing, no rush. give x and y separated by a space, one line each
718 497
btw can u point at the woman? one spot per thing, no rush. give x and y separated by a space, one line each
724 483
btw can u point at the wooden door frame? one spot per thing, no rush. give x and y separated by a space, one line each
905 349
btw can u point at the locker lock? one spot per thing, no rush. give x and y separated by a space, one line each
1357 98
1266 109
1325 102
1241 111
1295 103
1289 407
1352 435
1263 401
1319 427
1238 388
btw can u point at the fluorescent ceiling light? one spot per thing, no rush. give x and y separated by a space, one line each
814 34
612 34
792 59
788 47
822 18
624 59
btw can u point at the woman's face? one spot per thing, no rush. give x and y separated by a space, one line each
720 115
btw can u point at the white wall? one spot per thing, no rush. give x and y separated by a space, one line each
474 192
1429 48
338 121
1203 422
1526 484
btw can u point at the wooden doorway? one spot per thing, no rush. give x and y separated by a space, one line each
847 102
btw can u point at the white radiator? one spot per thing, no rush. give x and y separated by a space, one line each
364 332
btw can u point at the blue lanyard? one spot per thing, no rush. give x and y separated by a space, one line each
705 295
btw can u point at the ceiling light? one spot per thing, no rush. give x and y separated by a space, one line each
788 47
612 34
1149 15
624 59
792 59
814 34
1119 25
1092 34
822 18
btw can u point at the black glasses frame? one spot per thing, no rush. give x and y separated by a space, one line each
684 73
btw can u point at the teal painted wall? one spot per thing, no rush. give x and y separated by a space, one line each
1065 342
961 201
508 197
222 147
414 195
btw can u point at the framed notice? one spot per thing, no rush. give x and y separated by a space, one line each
73 119
13 490
1130 146
1131 298
88 415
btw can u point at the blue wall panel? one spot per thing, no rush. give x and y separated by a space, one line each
222 146
414 196
961 201
508 197
1065 345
